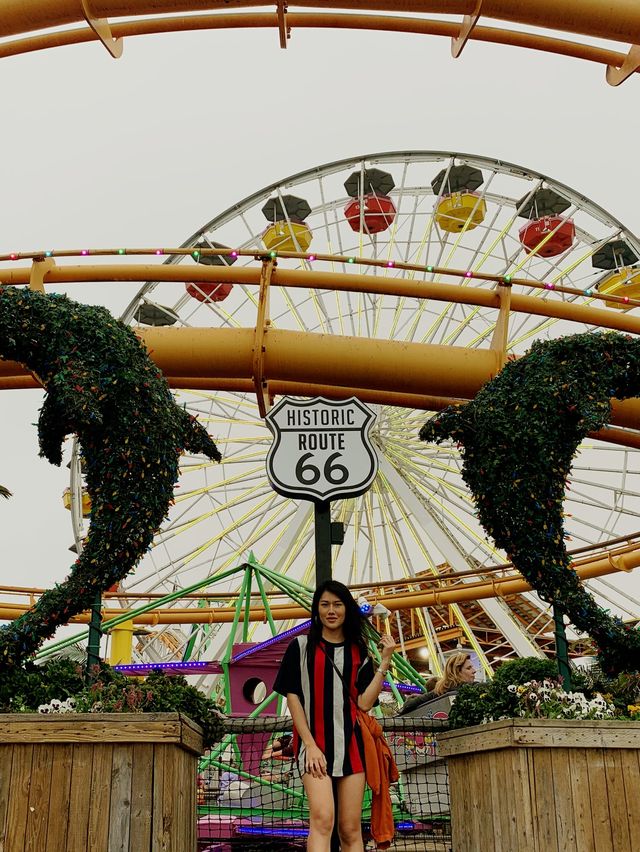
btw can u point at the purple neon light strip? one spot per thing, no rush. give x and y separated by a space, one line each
145 667
286 635
272 832
365 609
403 687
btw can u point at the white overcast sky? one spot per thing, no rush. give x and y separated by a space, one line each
143 150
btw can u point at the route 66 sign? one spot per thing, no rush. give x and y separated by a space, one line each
321 449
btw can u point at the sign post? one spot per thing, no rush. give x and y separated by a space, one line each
321 452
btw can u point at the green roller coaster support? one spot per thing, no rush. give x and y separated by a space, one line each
247 606
244 590
298 594
265 603
141 610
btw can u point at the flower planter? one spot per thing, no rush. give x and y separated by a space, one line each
544 785
98 782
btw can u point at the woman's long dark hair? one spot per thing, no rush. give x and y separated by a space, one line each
354 621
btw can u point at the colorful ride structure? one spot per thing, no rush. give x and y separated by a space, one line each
418 308
409 318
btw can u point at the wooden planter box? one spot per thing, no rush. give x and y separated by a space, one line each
544 785
94 782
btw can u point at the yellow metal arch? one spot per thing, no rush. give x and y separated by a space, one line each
389 372
449 592
617 21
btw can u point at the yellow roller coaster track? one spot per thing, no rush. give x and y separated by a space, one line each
423 376
449 591
101 20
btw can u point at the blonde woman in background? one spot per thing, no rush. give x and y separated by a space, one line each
458 670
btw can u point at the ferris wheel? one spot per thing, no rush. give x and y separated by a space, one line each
429 211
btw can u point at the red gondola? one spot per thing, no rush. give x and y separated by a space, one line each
562 231
376 214
209 290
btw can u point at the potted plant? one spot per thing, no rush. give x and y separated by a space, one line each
108 762
533 766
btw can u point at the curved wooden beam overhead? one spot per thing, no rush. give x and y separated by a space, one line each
617 21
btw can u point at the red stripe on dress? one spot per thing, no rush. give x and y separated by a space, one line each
319 662
354 752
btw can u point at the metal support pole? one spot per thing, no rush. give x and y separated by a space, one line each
562 648
323 541
323 572
95 635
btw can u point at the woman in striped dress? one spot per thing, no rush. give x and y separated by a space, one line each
325 676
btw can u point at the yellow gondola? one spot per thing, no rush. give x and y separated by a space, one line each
623 282
86 501
460 209
287 236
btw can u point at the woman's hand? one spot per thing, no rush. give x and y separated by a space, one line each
315 763
387 646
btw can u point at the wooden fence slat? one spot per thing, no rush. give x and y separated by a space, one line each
617 802
479 784
6 761
563 800
599 804
630 761
540 733
525 836
467 740
510 803
579 774
19 797
472 803
120 808
500 830
79 794
100 801
186 801
191 735
543 772
169 826
535 805
457 773
465 807
60 798
93 727
157 828
39 795
141 797
192 803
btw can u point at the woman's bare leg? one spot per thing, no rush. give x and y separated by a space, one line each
350 795
321 814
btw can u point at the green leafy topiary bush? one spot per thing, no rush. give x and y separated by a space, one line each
29 686
101 385
518 438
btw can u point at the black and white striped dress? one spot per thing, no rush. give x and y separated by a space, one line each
330 712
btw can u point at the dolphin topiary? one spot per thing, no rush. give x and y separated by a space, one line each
101 385
518 438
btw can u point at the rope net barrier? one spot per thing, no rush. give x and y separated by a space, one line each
251 797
